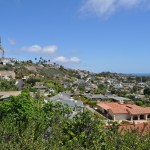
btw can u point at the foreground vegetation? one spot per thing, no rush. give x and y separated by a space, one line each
29 124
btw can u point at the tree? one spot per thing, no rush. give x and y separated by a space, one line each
81 88
139 103
147 91
61 68
27 123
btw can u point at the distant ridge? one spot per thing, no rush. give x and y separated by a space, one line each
139 74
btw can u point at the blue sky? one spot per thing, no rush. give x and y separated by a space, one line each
96 35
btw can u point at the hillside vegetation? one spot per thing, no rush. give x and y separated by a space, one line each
28 124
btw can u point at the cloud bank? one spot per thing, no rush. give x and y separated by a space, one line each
105 8
63 59
50 49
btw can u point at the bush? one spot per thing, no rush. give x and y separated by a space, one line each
139 103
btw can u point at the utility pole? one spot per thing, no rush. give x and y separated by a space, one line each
1 48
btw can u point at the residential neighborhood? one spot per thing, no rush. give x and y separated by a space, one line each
74 75
116 97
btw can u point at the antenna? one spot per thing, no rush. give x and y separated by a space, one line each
1 48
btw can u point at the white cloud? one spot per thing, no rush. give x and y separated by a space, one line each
32 49
63 59
74 59
50 49
105 8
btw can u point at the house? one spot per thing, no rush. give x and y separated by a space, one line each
108 93
138 96
25 78
76 105
120 111
7 74
6 95
118 86
66 84
128 85
93 86
82 73
5 61
117 98
96 97
81 82
19 84
67 93
99 97
40 89
142 85
88 81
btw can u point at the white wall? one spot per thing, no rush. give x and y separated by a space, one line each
119 116
122 116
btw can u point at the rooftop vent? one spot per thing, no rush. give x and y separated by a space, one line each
121 102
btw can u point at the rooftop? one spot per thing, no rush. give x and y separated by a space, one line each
142 128
40 87
7 94
117 108
64 99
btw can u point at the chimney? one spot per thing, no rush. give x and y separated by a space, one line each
121 102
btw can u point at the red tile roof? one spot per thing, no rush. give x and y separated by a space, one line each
117 108
119 111
142 128
104 106
8 93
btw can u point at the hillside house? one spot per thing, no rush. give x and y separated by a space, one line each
19 84
65 99
6 95
7 75
120 111
41 89
5 61
118 86
96 97
116 98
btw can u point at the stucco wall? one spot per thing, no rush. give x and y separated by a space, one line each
120 116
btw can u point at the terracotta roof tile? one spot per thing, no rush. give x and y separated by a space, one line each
103 105
118 111
142 128
117 108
